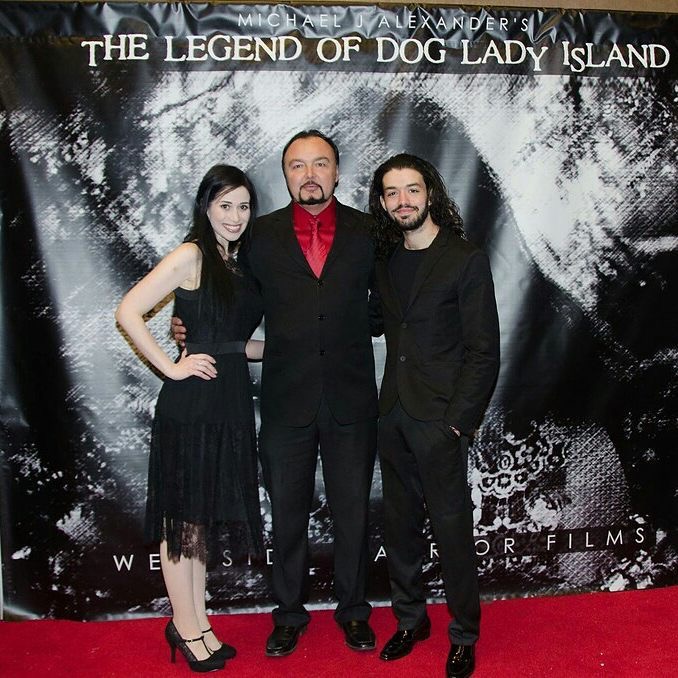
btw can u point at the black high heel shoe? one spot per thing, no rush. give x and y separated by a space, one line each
226 651
174 639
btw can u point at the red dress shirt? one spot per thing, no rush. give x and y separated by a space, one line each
303 226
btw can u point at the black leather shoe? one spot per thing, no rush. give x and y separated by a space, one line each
402 642
283 640
359 635
461 661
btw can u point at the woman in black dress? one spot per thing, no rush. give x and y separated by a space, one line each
202 468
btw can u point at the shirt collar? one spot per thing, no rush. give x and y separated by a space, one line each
326 217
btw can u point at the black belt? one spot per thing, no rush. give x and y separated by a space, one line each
216 348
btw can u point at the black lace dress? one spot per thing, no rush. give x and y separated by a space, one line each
203 490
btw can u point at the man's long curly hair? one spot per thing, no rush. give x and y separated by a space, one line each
444 211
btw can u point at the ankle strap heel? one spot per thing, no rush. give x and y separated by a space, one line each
174 639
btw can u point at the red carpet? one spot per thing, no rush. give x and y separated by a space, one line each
599 634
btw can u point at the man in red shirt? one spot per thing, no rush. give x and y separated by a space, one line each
313 261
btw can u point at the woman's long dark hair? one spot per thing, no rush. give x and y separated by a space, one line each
444 211
216 281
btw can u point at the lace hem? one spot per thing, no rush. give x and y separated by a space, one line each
184 540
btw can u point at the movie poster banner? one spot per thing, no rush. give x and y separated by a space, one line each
557 135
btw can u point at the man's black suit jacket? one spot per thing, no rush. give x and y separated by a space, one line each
443 348
318 340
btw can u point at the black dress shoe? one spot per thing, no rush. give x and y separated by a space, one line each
402 642
283 640
359 635
461 661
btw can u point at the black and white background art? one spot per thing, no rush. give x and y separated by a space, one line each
565 169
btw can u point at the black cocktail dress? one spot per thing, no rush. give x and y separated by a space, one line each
203 482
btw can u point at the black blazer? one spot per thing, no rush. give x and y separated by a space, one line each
442 353
318 339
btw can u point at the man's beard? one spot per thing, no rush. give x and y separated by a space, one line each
408 226
313 201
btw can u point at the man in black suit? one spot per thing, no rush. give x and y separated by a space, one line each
314 263
438 312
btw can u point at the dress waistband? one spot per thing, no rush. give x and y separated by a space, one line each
216 348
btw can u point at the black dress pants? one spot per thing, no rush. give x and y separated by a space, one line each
424 466
289 457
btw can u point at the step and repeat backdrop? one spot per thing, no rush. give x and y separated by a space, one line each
556 133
